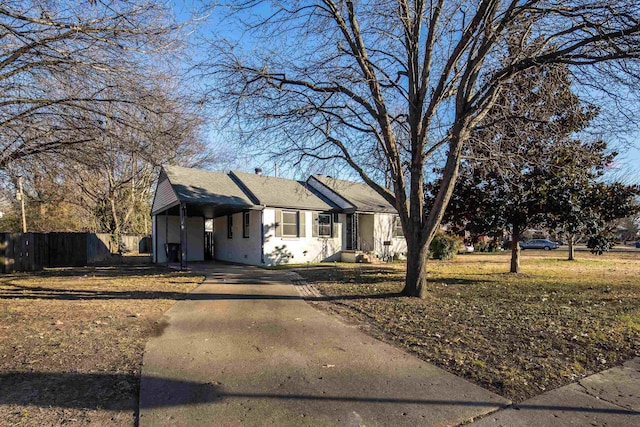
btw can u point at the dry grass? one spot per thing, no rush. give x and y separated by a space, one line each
71 341
517 335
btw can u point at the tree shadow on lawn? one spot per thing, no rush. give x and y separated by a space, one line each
114 272
373 273
119 392
13 291
361 280
459 281
374 276
70 390
373 280
35 293
104 271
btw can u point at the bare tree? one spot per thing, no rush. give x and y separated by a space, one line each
344 79
58 62
89 99
116 172
48 202
108 179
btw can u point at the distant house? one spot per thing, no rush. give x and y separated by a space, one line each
263 220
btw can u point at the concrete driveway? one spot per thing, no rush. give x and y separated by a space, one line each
246 349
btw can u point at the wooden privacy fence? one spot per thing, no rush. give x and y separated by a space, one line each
35 251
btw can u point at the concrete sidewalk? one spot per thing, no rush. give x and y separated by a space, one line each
609 398
246 349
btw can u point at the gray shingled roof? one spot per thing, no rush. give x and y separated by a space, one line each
245 190
282 193
363 197
206 187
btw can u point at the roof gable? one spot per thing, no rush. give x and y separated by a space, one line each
328 193
360 195
164 197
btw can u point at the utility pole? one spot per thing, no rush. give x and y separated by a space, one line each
21 198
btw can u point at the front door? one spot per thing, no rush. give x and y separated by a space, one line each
208 245
352 232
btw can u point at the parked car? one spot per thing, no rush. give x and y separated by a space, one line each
539 244
638 244
466 248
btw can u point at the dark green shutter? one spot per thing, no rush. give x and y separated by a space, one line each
276 223
315 225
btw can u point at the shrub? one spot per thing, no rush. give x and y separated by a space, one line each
444 246
490 246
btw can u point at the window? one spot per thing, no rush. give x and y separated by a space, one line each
229 226
289 224
397 227
245 224
324 225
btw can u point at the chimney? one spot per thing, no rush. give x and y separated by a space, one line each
258 171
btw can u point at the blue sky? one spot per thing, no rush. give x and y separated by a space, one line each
629 163
626 167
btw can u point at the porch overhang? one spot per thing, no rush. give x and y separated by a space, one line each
206 210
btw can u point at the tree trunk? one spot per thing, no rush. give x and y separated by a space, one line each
116 235
418 233
416 279
515 249
571 249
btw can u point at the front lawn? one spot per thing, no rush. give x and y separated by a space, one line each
517 335
71 341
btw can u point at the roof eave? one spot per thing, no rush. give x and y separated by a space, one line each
166 208
306 208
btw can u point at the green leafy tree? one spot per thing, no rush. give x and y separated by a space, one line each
523 144
584 208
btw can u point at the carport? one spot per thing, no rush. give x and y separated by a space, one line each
184 199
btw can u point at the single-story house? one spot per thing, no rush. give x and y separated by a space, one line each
263 220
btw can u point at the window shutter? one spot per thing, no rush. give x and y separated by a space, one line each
302 215
397 227
314 225
334 228
276 224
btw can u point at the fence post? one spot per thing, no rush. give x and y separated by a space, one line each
3 252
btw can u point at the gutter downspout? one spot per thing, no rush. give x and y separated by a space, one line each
262 234
166 237
183 236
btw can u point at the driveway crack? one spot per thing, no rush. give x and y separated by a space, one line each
586 391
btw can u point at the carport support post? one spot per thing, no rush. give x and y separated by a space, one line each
166 237
183 237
